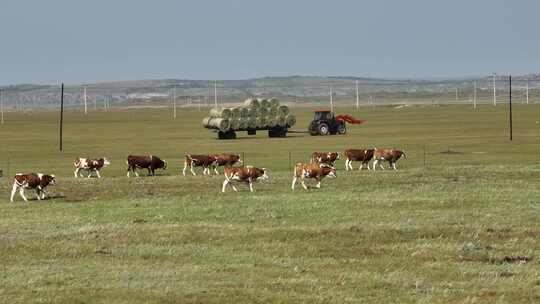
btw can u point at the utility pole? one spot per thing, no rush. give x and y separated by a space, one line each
61 115
357 97
331 100
85 106
527 92
494 90
474 95
215 94
2 106
174 102
510 103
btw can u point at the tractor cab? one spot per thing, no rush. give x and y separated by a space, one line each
323 115
324 122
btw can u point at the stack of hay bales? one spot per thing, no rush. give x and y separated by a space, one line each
252 114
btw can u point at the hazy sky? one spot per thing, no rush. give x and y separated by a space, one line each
88 41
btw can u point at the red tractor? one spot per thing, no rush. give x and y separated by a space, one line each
325 123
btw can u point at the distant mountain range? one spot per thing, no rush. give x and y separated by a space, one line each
292 86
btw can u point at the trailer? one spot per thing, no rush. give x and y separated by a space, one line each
252 116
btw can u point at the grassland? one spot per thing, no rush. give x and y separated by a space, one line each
447 227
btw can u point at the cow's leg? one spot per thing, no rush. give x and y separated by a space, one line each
185 167
293 182
250 181
135 171
381 166
76 172
191 168
393 165
97 173
303 183
233 187
225 183
128 169
318 183
375 164
21 193
89 173
38 192
346 164
215 170
13 190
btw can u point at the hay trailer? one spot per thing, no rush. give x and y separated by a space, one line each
252 116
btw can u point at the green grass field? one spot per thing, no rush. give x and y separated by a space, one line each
458 222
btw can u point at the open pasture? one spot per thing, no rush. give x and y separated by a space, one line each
458 221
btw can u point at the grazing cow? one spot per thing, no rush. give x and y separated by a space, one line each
328 158
1 172
90 165
362 155
36 181
246 174
226 160
205 161
318 172
150 162
389 155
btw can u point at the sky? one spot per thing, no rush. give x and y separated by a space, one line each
72 41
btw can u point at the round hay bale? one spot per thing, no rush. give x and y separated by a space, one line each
263 111
283 110
291 120
219 123
206 121
252 103
235 113
265 103
244 112
281 121
235 124
272 122
221 113
273 111
243 124
274 102
252 123
261 122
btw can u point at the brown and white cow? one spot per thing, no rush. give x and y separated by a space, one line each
316 171
37 181
150 162
389 155
90 165
247 174
328 158
225 160
361 155
193 160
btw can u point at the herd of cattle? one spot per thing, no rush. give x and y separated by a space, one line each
321 165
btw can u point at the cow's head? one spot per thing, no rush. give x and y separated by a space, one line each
49 179
164 166
106 162
264 176
237 159
336 155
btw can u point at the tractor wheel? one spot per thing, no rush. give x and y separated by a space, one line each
323 129
342 129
